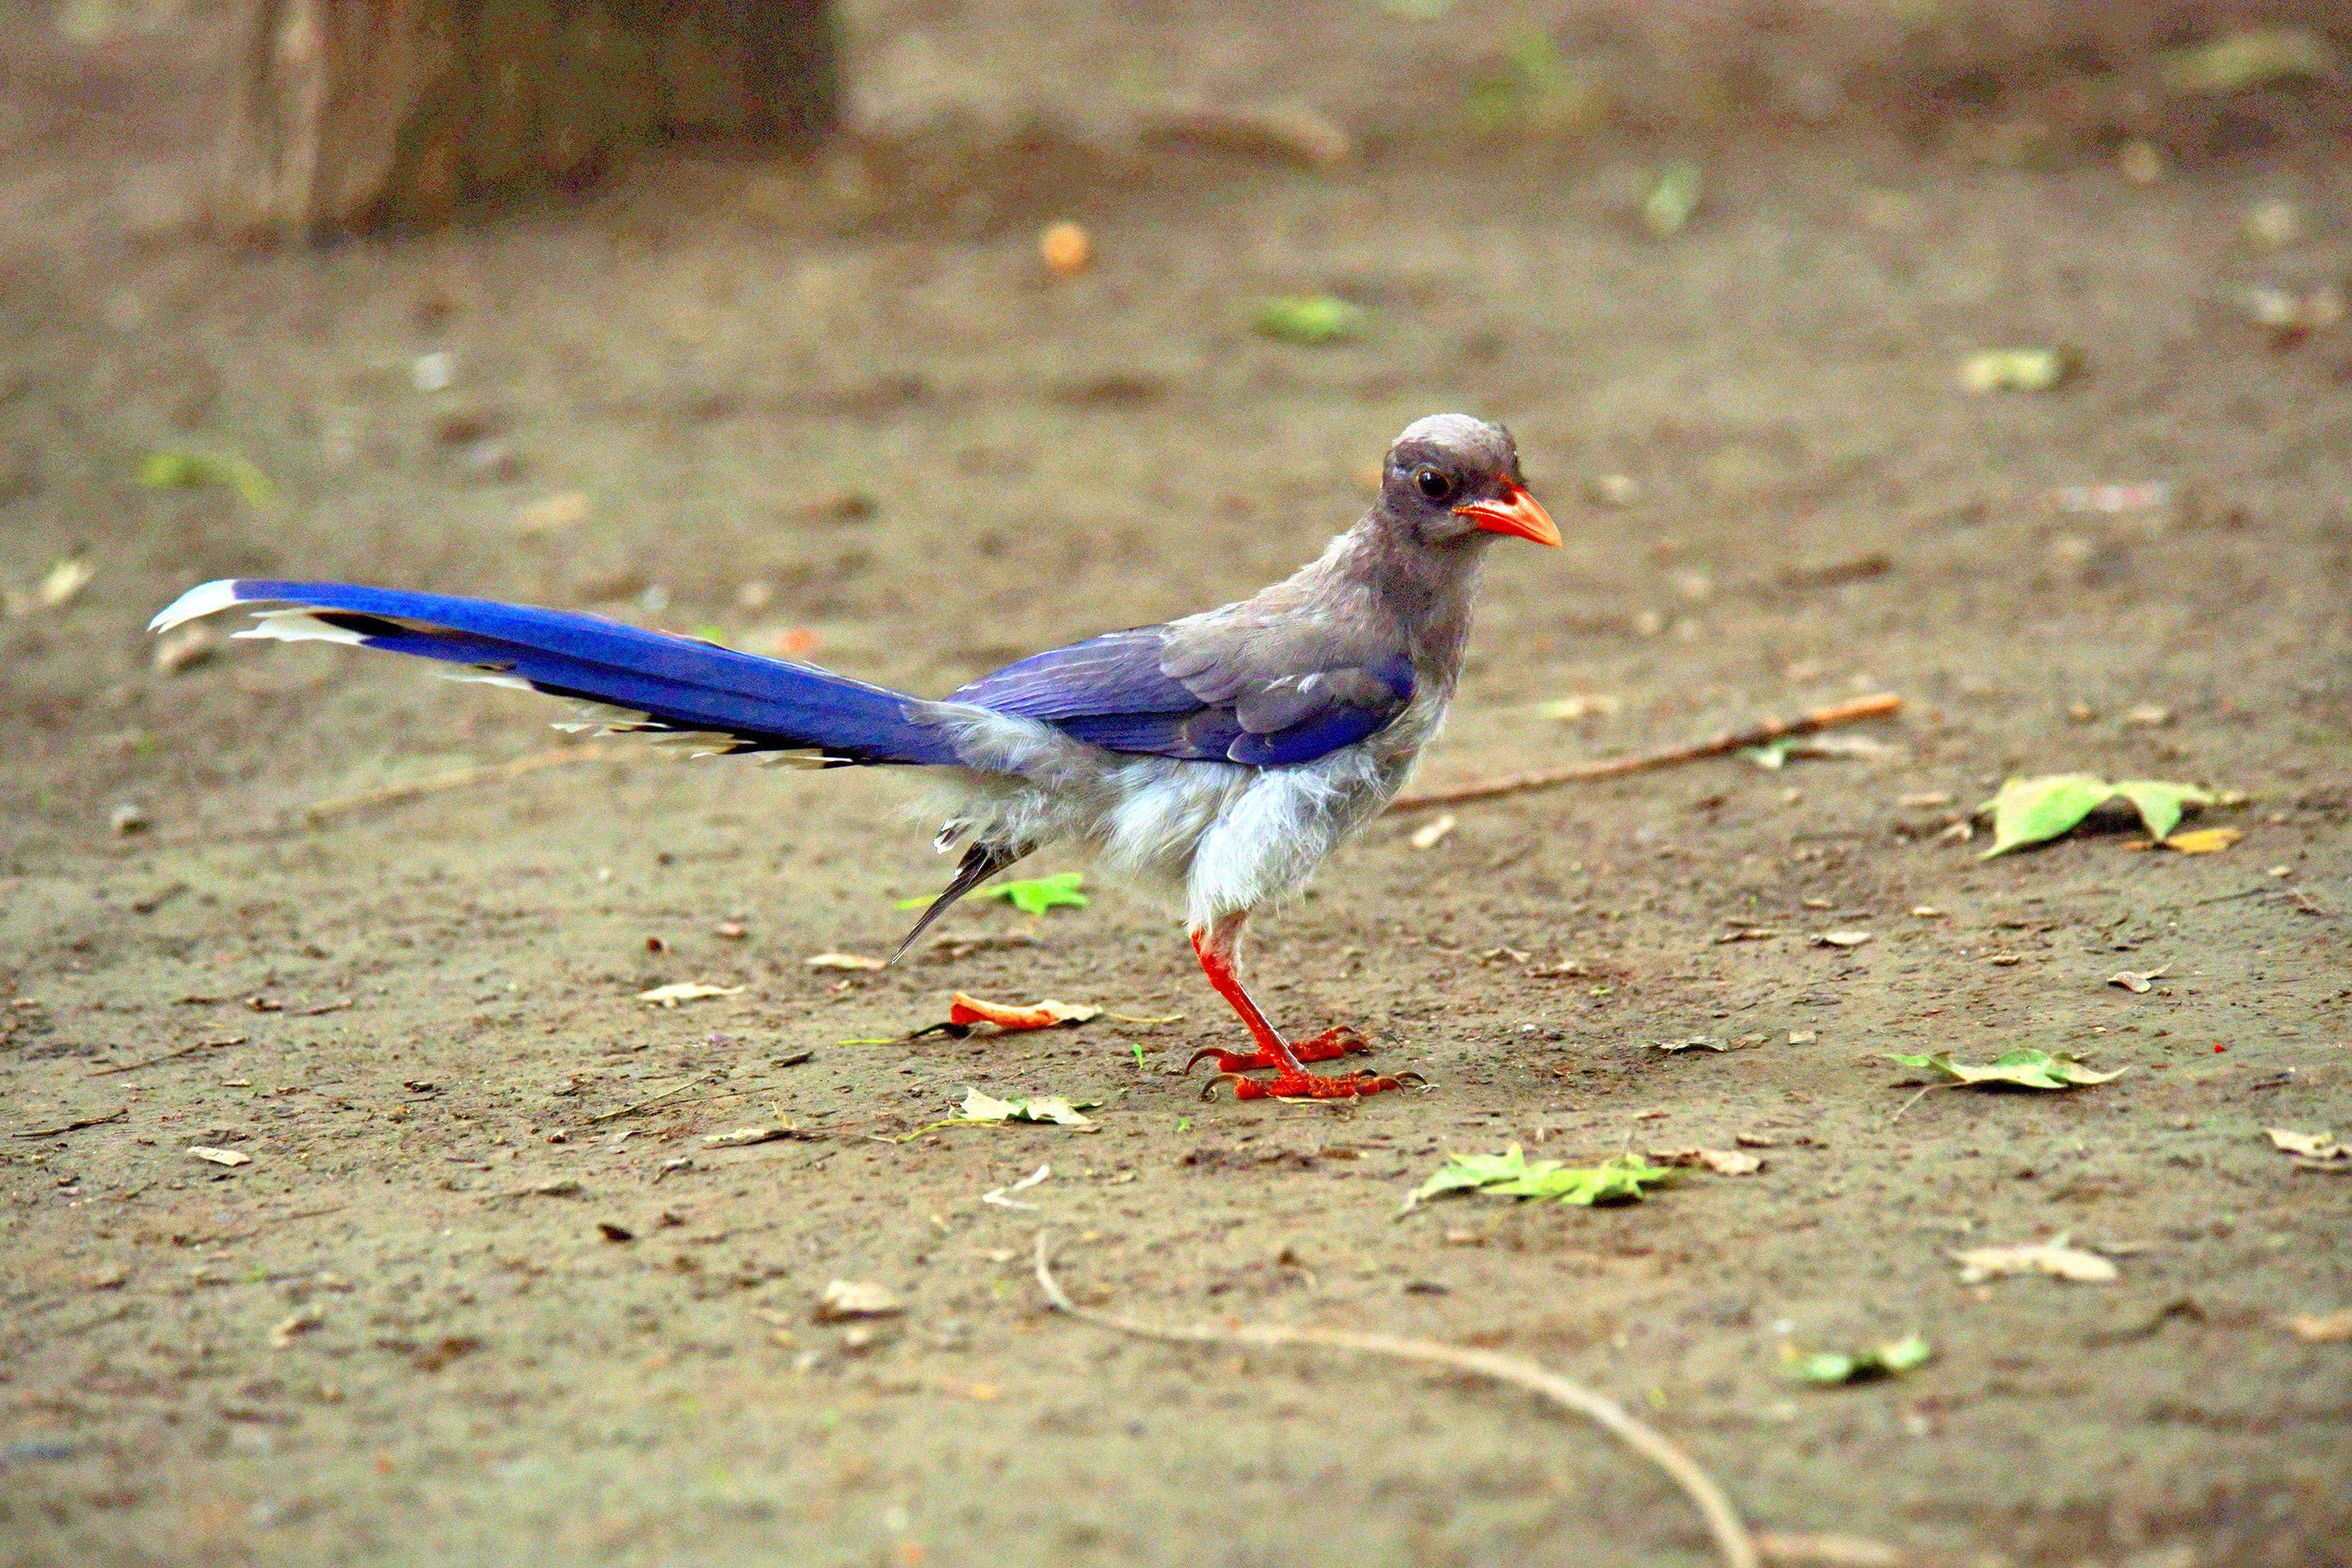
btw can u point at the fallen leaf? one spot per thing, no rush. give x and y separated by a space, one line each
976 1016
2136 981
1750 933
1311 320
1512 1175
63 581
2334 1328
2020 370
1056 1108
178 469
2308 1145
1672 196
2027 1067
1830 1368
1032 896
1840 938
845 1299
301 1321
2246 58
1583 705
687 991
1430 834
2052 1257
1722 1162
1691 1043
221 1156
852 961
2203 840
2035 810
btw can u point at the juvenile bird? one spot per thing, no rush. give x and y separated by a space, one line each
1220 757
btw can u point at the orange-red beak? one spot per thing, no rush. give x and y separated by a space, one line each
1517 512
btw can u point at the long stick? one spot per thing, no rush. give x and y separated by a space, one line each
1732 1541
1877 705
530 762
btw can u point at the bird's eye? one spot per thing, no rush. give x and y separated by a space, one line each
1433 482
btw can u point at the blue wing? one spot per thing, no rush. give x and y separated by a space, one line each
1111 692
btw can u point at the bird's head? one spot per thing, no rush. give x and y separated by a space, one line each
1454 480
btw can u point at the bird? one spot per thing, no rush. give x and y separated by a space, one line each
1218 759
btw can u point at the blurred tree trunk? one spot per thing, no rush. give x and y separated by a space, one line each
354 113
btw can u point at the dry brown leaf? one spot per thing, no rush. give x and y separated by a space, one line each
981 1017
2307 1145
1840 938
2136 981
1722 1162
687 990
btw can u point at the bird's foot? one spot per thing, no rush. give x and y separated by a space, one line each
1329 1045
1308 1086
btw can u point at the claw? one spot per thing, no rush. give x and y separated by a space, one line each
1330 1045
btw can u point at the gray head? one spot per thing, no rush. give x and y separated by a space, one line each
1452 480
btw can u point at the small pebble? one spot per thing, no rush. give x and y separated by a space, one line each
1065 247
128 818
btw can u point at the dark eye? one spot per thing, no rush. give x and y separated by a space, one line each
1433 482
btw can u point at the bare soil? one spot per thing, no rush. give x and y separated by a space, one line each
480 1286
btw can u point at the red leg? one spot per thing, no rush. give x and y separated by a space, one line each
1215 949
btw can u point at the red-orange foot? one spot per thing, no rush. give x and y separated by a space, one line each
1329 1045
1308 1086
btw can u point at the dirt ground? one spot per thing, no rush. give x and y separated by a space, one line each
480 1284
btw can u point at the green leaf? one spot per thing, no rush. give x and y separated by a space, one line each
179 468
2248 59
1034 897
2030 811
2159 804
1312 319
1511 1175
1672 196
2027 1067
1830 1368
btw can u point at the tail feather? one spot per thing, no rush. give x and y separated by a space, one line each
662 683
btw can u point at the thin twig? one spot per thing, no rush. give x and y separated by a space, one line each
168 1056
1875 706
652 1101
115 1115
1732 1541
1912 1101
394 794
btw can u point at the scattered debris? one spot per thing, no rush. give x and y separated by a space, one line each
1065 247
1722 1162
2035 810
2027 1067
997 1195
2052 1257
846 1299
615 1232
220 1156
687 991
1310 319
851 961
1831 1369
1840 938
2290 312
1430 834
1032 895
2137 981
299 1321
119 1114
1748 933
2110 500
968 1015
2248 57
168 1056
2020 370
1825 1549
1691 1043
2198 841
127 817
1059 1109
744 1137
183 650
1774 755
1288 133
2316 1148
1512 1175
179 469
1670 199
1583 705
2332 1328
553 514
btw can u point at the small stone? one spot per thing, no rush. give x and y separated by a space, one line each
127 818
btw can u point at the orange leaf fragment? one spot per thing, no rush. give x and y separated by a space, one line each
970 1010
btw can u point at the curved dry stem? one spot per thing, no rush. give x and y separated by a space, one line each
1732 1541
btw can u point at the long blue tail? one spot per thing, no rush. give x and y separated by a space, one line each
661 682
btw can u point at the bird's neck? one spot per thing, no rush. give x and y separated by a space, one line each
1425 593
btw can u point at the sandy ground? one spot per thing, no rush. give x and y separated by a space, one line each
479 1281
